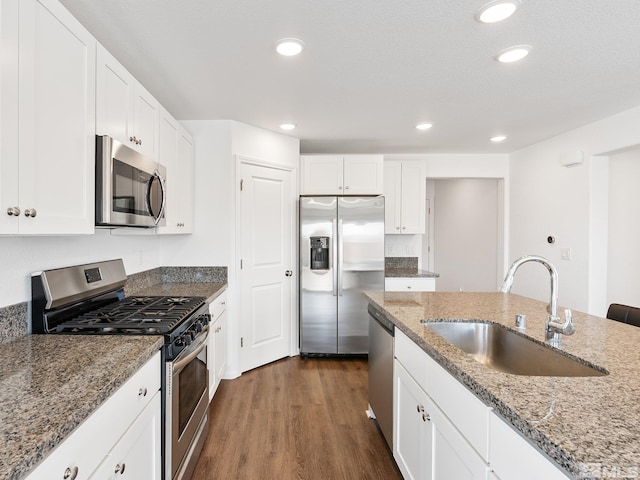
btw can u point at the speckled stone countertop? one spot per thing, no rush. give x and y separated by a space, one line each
197 289
587 425
409 273
49 384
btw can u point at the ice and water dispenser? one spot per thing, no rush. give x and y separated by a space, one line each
319 253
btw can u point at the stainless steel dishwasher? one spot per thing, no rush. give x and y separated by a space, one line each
381 373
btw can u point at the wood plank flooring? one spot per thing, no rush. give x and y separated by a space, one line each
298 418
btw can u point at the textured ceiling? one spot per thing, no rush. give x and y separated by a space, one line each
372 69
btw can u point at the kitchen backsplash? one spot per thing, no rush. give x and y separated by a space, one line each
14 319
401 262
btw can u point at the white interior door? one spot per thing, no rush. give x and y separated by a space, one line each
266 252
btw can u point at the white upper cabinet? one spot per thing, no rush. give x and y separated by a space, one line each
175 152
405 197
342 175
126 111
48 160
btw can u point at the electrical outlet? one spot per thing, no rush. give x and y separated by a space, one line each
565 254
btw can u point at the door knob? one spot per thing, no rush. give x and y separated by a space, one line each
288 273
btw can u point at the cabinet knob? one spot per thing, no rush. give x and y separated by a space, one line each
404 228
140 141
420 408
397 228
120 468
426 417
347 187
30 212
13 211
132 139
70 473
142 392
340 187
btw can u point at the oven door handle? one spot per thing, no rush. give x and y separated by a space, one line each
186 356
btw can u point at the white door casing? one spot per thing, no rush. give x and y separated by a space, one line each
267 219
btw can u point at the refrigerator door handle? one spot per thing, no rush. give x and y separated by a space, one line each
334 241
340 255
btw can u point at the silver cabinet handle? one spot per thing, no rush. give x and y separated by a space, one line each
404 228
13 211
140 142
30 212
426 417
133 139
397 228
142 392
340 187
347 187
70 473
420 408
120 468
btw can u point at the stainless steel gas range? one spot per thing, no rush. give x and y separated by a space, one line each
89 300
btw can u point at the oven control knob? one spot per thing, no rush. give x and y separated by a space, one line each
197 326
179 342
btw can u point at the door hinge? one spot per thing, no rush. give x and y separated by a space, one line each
241 184
240 264
241 342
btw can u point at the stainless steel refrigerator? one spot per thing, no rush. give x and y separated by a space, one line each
341 255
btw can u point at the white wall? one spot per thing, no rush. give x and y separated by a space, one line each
623 285
21 256
548 199
466 234
219 147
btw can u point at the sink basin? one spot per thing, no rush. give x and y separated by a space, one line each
501 349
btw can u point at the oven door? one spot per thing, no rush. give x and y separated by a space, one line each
130 187
187 404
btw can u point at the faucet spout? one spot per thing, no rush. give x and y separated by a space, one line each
553 326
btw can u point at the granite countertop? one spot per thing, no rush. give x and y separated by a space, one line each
585 424
409 273
195 289
49 384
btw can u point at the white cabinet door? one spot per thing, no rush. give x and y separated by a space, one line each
405 197
183 180
146 118
125 110
453 457
114 90
56 128
392 197
413 435
9 188
414 195
322 175
136 456
362 175
221 347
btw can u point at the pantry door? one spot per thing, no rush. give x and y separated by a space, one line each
266 275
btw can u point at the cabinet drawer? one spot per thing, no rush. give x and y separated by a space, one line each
412 358
512 456
410 284
466 411
218 306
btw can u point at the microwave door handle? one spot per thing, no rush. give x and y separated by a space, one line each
147 197
163 188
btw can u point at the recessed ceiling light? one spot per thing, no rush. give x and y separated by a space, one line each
513 54
498 138
289 46
424 126
497 11
288 126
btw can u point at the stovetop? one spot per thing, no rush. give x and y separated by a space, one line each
135 316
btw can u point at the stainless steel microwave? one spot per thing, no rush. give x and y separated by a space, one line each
130 188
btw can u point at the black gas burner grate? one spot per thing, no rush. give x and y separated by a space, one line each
135 315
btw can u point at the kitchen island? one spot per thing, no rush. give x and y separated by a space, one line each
588 426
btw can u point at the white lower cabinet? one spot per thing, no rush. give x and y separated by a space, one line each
442 431
426 444
124 430
217 342
137 453
410 284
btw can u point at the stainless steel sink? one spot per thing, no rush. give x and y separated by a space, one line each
501 349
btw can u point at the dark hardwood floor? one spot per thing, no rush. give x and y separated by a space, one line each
295 419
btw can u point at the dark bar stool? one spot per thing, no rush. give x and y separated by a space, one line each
624 314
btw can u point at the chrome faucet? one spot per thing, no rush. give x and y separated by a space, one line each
553 327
